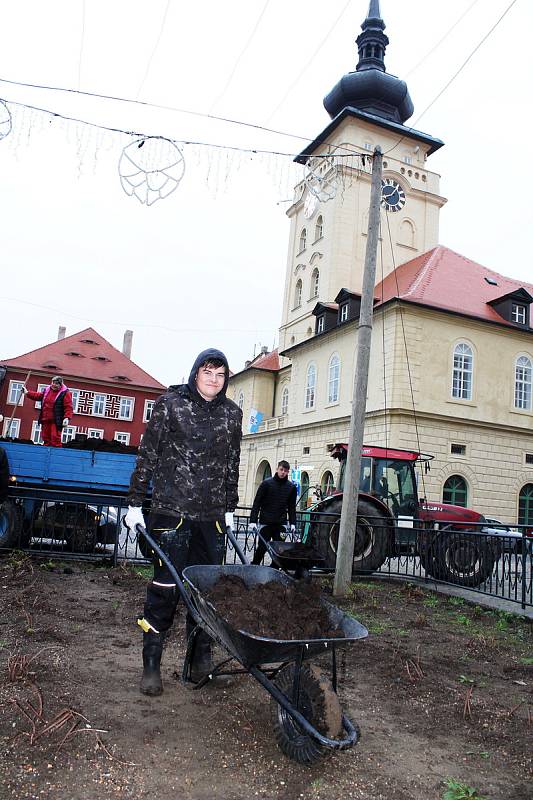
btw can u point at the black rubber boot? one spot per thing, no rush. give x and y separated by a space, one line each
151 683
201 661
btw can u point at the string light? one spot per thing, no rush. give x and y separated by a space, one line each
5 120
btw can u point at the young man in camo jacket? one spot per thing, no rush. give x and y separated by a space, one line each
190 451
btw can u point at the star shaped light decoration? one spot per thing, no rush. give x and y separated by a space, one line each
151 168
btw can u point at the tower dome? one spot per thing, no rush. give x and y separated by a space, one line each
370 88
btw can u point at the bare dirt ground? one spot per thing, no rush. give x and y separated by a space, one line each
440 689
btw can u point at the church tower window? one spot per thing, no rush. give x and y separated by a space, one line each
298 294
303 240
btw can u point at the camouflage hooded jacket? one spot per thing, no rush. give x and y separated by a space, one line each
190 451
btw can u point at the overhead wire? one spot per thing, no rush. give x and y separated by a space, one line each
154 50
451 80
240 56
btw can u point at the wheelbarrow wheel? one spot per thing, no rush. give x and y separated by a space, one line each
318 703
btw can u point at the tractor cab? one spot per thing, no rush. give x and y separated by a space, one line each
386 474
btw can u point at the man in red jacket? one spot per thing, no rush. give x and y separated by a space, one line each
56 410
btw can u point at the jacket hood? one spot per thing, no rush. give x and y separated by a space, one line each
208 355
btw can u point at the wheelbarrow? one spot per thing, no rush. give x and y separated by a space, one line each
306 714
293 554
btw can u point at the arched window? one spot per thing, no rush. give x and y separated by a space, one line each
298 294
522 383
304 490
406 233
455 491
285 400
525 505
310 386
334 372
462 372
240 401
267 472
327 483
319 228
303 240
315 283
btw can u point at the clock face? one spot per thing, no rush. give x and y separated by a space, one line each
392 195
311 202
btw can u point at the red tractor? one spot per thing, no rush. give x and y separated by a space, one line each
393 521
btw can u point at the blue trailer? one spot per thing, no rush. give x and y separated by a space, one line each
63 493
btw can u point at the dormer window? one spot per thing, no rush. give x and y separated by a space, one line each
320 324
344 312
518 313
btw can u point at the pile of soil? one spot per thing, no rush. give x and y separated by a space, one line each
100 445
297 550
272 609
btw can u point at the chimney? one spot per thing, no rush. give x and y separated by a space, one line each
126 346
264 350
61 333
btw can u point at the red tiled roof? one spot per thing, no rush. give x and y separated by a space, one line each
266 361
444 279
85 355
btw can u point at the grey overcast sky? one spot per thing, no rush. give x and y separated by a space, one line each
206 266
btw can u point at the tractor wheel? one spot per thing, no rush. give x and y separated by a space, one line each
318 703
372 537
463 558
9 524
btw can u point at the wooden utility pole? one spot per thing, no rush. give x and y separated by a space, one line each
348 524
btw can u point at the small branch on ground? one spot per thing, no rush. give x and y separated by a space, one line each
467 709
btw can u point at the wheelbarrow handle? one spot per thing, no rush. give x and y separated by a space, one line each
140 530
236 545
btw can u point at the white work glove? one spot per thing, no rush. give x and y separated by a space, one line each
293 529
228 517
134 517
66 422
23 389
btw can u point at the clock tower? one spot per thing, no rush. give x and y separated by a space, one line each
329 215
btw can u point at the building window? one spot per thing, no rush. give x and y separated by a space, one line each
455 491
68 433
310 386
327 484
458 449
148 408
344 312
319 228
334 372
462 372
11 431
123 438
522 383
518 313
303 240
99 401
95 433
298 294
40 388
320 324
36 433
525 505
529 458
15 396
315 283
75 399
267 472
285 401
126 408
240 401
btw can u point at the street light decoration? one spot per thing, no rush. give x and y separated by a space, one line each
151 168
321 178
5 120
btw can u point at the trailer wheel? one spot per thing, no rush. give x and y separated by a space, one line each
9 524
462 558
73 523
318 703
372 537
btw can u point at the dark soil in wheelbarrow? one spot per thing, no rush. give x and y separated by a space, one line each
273 610
440 689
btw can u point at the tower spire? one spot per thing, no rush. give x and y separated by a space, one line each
371 43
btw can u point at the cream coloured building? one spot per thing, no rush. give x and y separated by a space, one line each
452 348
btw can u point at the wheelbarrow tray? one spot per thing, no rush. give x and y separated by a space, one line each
292 555
247 647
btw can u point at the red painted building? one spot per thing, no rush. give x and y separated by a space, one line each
112 397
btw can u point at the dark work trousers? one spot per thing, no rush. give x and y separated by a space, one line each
185 542
269 533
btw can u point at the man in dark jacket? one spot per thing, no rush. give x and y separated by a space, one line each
275 498
190 451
